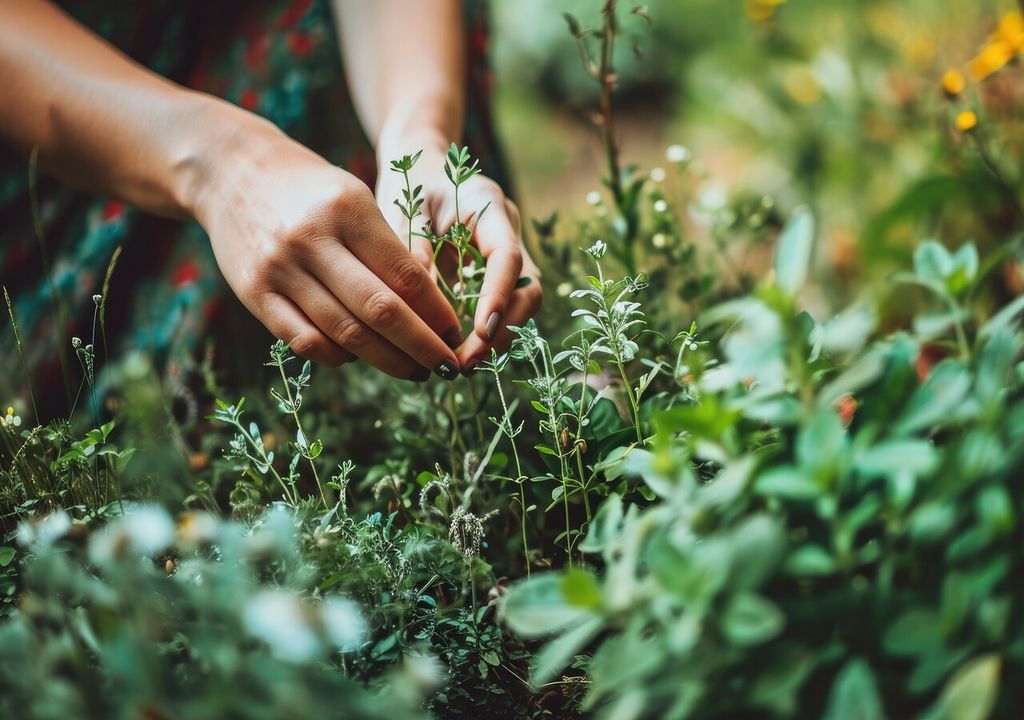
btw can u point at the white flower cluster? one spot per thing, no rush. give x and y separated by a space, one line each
10 420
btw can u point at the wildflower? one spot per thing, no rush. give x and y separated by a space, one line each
564 289
658 174
678 154
593 198
990 60
659 240
597 250
966 121
953 82
10 420
342 622
660 206
467 530
1011 31
281 620
846 406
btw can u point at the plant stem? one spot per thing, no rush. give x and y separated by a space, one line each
305 441
507 427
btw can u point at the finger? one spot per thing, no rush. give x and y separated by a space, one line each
500 246
345 330
369 238
382 310
288 323
522 306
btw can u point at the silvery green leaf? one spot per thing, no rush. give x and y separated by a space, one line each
793 253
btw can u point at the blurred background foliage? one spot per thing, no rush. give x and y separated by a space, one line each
831 103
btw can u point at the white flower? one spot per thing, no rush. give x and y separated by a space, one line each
342 622
280 620
45 531
659 240
145 529
678 154
564 289
597 250
658 174
593 197
10 420
660 206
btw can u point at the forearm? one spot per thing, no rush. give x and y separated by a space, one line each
405 64
100 121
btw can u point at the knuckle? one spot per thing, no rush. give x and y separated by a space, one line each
515 257
382 309
409 278
352 198
349 333
307 345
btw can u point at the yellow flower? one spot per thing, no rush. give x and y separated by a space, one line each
1011 31
762 10
991 59
953 82
10 410
966 121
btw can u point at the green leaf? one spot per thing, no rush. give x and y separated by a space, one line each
915 457
810 561
315 449
787 482
914 633
6 555
580 589
972 692
854 694
538 606
558 653
933 262
793 254
751 619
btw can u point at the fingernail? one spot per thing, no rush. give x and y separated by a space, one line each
420 374
493 322
453 337
446 370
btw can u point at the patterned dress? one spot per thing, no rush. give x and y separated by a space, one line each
166 298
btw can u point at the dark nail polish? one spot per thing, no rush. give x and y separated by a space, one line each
446 370
453 337
420 374
492 326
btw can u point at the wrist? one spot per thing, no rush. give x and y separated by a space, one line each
429 123
219 143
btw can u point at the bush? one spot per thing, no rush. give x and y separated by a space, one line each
678 494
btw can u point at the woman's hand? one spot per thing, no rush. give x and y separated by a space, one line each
511 291
304 246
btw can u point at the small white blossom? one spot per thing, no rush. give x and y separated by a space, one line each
658 174
678 154
597 250
342 623
564 289
660 206
659 240
593 197
10 420
280 620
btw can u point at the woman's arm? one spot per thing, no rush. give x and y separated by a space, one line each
102 122
300 241
406 68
